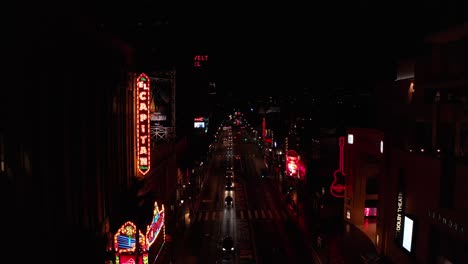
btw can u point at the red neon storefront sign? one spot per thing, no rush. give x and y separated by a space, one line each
292 163
337 187
143 123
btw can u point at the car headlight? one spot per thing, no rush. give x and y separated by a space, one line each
232 248
224 249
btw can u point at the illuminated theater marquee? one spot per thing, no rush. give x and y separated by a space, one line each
143 123
157 225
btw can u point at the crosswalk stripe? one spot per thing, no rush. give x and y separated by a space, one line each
241 214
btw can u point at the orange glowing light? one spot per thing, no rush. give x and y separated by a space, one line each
143 123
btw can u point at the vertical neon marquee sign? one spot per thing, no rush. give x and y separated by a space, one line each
263 128
143 123
337 187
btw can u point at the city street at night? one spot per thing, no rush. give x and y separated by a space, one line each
156 132
262 228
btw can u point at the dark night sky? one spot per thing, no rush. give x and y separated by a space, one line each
255 46
271 45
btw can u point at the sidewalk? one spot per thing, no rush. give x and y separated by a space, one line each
177 233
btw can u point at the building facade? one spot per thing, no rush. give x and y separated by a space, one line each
68 143
67 139
420 144
363 170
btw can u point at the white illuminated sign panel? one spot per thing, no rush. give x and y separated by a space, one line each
408 233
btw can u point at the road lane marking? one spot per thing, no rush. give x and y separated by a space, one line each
263 214
250 214
256 214
206 216
213 215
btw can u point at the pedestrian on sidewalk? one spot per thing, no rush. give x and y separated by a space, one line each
319 241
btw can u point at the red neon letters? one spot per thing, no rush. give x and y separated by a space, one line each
337 187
